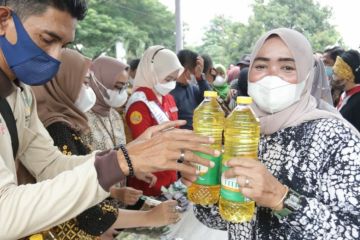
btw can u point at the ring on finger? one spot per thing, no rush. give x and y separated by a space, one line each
247 182
182 156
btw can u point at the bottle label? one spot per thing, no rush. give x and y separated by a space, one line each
230 189
208 176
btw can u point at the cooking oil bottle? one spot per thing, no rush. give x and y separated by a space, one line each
242 133
208 121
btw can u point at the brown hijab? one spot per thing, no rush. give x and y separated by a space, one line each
56 98
306 109
106 70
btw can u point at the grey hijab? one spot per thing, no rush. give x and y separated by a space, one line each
307 108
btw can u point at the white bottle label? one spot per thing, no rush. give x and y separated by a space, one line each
230 184
202 169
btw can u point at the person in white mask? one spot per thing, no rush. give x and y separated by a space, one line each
151 104
62 105
220 84
190 86
109 80
304 180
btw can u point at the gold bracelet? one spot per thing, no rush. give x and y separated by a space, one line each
282 199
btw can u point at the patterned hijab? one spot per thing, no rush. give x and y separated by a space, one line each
106 70
155 65
306 109
56 98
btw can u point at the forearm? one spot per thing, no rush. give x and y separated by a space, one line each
28 209
133 218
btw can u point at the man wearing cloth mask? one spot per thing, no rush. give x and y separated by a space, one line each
190 86
32 35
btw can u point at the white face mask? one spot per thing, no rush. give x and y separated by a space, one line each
86 99
131 81
116 99
272 94
165 88
219 81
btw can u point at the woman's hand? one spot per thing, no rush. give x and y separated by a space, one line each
147 177
256 182
127 195
164 214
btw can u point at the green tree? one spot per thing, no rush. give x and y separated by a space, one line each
306 16
220 40
137 23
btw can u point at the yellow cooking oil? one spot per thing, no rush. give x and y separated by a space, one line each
242 133
208 120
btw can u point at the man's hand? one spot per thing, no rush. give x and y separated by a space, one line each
199 68
164 148
154 130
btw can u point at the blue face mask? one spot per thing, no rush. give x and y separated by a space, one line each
329 71
30 64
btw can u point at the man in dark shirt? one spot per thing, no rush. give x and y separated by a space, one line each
190 86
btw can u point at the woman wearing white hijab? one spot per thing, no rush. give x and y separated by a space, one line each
306 182
151 104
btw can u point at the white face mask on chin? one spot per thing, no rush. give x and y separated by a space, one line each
272 94
165 88
86 99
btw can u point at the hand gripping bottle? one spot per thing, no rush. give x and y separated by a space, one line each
208 121
242 133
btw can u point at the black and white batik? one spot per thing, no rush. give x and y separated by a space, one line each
320 160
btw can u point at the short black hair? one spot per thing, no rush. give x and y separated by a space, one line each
334 52
352 58
243 82
25 8
187 58
208 63
134 64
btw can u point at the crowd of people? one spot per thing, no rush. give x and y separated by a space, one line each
83 141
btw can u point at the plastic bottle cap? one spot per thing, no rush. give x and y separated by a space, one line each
210 94
36 237
244 100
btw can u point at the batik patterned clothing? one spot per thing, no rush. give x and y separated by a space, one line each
320 160
106 132
95 220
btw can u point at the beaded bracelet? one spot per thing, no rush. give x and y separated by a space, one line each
127 158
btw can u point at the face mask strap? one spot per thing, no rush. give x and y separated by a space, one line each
98 85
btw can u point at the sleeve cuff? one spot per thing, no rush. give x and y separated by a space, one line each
108 169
